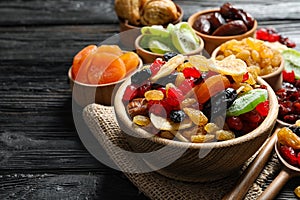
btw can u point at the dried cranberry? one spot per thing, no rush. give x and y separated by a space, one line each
263 108
156 65
191 72
186 85
130 93
288 76
262 34
234 123
288 154
174 96
245 77
252 116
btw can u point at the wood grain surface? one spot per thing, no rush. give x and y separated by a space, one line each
41 155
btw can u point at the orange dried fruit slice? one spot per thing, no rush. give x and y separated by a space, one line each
131 61
113 49
105 68
80 57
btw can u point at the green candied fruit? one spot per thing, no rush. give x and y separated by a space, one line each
247 102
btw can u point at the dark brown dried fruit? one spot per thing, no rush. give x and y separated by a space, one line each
137 106
231 28
202 24
216 20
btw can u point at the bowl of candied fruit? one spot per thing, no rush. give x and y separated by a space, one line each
216 26
261 59
203 120
96 71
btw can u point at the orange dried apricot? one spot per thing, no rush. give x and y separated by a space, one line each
80 57
105 68
113 49
131 61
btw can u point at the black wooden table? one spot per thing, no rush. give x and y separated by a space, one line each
41 155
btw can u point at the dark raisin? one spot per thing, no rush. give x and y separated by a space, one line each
295 129
167 56
177 116
140 76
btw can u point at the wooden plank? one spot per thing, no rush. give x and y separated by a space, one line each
102 12
67 186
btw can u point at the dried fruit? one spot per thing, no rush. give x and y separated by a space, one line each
196 116
287 137
140 76
224 135
164 124
137 106
154 95
177 116
141 120
202 138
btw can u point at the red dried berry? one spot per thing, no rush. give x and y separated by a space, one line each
142 89
262 34
174 96
288 76
288 154
274 37
263 108
245 77
130 93
186 86
191 72
234 123
156 65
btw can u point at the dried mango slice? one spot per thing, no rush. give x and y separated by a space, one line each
230 66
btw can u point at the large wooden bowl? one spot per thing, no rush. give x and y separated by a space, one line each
212 42
199 162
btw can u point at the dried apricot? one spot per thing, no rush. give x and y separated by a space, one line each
80 57
113 49
105 68
131 61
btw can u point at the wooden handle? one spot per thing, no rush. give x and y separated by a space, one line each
273 189
251 173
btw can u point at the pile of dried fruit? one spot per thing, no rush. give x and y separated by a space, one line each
260 58
289 98
195 99
103 64
228 21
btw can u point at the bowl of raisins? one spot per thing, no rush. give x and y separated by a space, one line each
261 59
191 120
217 26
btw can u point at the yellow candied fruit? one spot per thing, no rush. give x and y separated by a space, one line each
211 128
287 137
141 120
297 191
202 138
224 135
196 116
154 95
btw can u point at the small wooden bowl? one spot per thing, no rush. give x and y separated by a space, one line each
85 94
149 57
212 42
274 79
129 38
199 162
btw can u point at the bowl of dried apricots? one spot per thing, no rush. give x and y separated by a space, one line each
96 71
195 120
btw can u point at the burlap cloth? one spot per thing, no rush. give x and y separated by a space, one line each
101 119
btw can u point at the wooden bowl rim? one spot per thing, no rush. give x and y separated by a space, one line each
122 116
194 16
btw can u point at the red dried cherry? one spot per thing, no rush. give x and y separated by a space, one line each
263 108
189 72
288 76
234 123
288 154
130 93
